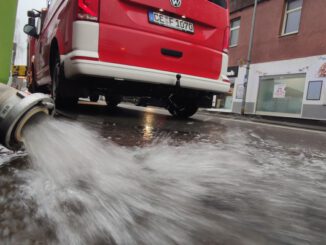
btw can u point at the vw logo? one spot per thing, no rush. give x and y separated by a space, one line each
176 3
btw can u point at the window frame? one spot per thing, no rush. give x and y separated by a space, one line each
285 18
237 28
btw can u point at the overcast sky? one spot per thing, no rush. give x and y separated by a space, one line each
21 20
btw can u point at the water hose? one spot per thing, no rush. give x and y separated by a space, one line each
16 110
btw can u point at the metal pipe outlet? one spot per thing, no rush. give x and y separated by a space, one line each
16 109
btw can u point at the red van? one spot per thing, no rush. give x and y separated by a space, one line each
172 52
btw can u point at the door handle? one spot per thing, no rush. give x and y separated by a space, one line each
171 52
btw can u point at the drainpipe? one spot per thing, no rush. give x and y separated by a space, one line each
245 84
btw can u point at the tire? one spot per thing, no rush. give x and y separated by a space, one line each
182 108
55 84
184 112
94 97
113 101
56 88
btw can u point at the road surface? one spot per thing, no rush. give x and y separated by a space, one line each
224 181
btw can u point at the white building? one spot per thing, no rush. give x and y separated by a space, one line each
290 88
288 73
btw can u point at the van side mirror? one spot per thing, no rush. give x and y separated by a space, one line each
31 21
33 13
31 30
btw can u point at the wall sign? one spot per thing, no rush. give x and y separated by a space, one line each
279 91
19 71
233 71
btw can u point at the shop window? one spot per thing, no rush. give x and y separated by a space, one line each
281 94
235 29
292 16
314 90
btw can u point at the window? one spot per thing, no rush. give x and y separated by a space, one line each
235 29
221 3
314 90
292 17
281 94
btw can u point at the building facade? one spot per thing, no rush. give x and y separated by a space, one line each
288 71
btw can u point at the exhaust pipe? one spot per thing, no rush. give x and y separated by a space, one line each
16 109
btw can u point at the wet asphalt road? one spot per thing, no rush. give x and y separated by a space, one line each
137 126
131 126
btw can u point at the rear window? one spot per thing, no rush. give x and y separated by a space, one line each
221 3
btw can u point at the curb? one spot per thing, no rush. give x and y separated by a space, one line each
315 125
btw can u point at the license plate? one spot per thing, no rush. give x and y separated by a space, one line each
170 22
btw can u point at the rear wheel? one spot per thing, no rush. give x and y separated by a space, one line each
182 107
94 97
113 101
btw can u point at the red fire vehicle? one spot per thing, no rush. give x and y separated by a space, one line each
172 52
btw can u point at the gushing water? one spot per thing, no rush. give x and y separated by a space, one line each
87 190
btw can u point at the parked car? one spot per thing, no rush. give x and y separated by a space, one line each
171 51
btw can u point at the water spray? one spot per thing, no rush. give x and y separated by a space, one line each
16 110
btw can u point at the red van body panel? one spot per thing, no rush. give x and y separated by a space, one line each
127 36
57 27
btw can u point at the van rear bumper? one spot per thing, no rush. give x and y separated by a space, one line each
80 63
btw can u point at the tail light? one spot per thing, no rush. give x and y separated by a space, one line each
88 10
226 40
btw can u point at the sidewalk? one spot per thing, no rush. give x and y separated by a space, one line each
282 121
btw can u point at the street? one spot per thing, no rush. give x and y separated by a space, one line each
144 177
